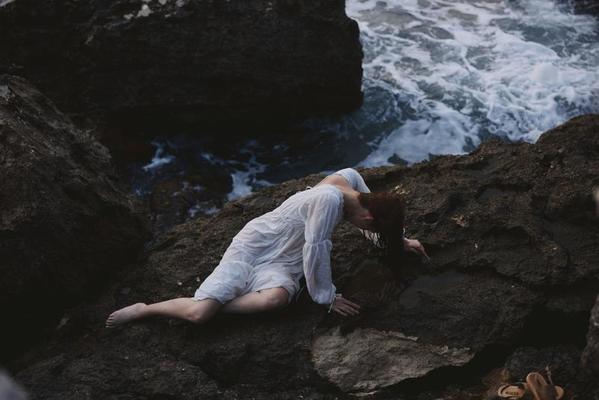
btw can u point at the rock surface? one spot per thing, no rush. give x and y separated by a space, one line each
562 361
365 360
513 239
65 224
585 6
210 63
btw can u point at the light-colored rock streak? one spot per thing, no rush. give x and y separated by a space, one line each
367 360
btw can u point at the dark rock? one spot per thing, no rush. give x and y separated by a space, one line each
513 239
584 6
209 63
65 223
440 320
175 200
561 361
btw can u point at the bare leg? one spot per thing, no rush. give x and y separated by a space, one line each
201 310
264 300
184 308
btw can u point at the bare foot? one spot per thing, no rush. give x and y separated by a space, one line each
125 315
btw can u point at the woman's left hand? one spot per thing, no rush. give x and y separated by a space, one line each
414 246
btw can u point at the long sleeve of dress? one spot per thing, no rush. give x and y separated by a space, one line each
322 214
357 182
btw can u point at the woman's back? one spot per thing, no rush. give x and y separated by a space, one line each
280 234
294 207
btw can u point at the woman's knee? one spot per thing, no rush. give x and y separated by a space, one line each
199 313
276 298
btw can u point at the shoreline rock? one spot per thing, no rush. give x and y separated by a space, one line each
215 65
65 223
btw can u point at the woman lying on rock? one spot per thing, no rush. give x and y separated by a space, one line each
262 267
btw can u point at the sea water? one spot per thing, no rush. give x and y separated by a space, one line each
453 72
440 76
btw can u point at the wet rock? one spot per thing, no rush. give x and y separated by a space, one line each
512 234
65 223
211 64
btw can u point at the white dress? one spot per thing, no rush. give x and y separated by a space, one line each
279 247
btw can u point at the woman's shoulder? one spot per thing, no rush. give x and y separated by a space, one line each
329 199
328 190
348 170
351 175
321 196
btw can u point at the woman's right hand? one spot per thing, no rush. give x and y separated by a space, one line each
415 246
344 307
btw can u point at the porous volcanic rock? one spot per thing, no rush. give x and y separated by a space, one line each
65 224
211 63
513 237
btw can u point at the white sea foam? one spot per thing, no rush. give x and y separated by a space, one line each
161 157
144 11
460 70
200 208
244 170
245 179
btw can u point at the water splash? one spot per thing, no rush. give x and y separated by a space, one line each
459 71
161 157
440 76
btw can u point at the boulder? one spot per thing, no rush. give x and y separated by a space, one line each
512 235
65 223
210 63
365 360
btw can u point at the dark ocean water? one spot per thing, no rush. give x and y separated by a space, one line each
440 76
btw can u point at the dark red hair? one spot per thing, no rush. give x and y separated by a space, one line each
388 210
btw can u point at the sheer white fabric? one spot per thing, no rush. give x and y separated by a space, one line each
279 247
322 214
